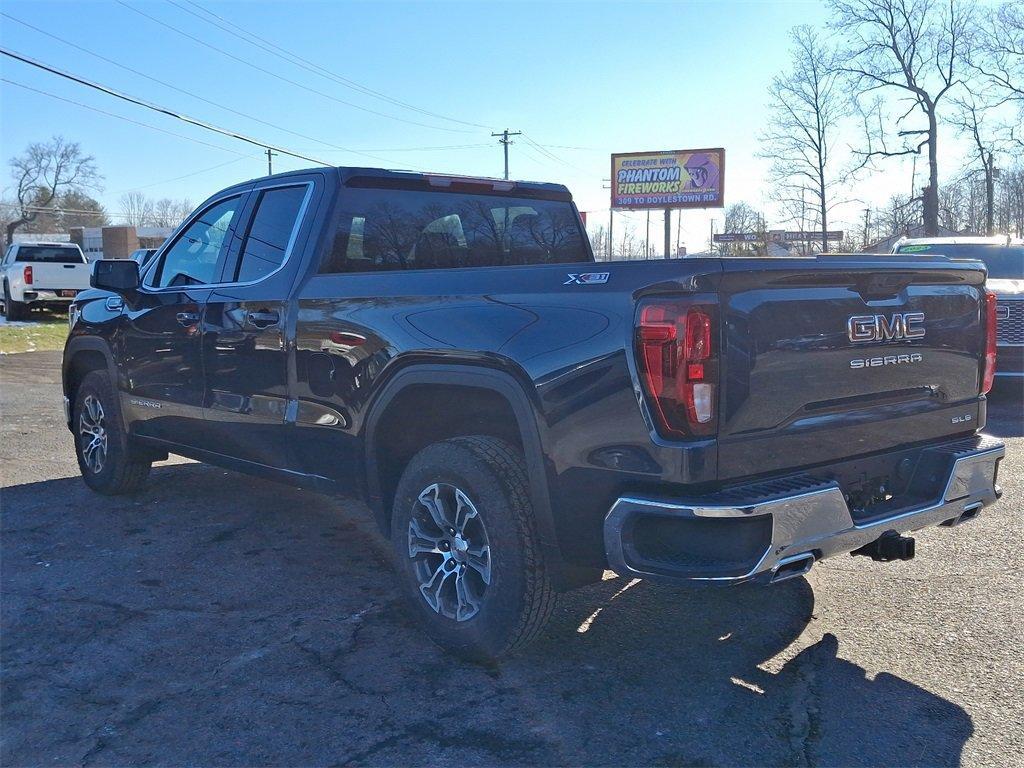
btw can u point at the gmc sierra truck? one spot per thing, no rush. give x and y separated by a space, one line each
520 418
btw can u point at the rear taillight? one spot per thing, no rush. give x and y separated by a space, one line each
989 371
677 357
28 275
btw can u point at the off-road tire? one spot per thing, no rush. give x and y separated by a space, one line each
125 467
14 310
518 602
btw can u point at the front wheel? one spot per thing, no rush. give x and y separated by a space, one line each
108 462
469 560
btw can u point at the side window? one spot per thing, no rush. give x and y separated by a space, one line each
380 230
192 259
266 242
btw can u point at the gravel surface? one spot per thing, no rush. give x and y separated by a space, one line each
215 619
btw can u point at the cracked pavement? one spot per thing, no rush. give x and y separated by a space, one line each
216 619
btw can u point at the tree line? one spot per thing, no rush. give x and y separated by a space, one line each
51 188
892 73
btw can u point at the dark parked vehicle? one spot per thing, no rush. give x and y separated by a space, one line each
1004 258
143 256
520 418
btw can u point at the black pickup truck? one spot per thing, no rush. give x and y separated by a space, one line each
520 418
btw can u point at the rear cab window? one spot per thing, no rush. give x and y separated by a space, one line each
271 231
49 254
397 229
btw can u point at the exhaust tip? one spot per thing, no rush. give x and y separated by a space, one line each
970 512
791 567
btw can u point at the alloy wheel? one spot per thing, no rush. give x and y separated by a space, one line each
450 551
92 432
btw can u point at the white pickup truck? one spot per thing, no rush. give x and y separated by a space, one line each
41 274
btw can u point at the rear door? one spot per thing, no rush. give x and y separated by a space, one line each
832 358
246 325
161 340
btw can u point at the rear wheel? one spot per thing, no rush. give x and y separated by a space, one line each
108 462
469 561
14 310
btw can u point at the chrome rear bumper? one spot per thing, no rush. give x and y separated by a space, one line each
782 527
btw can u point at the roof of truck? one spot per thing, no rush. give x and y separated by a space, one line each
996 240
352 176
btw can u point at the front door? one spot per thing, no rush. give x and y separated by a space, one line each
163 382
245 339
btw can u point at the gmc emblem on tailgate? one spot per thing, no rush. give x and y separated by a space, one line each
864 328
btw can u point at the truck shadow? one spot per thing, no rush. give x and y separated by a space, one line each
219 620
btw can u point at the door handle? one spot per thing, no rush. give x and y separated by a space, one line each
262 319
187 318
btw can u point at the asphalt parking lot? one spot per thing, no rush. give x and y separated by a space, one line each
215 619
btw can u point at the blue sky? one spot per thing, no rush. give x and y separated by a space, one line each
581 79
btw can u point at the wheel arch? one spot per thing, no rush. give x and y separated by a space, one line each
82 355
490 384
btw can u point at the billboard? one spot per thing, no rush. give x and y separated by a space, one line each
685 178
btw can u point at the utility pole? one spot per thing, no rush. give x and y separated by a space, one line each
867 224
503 139
611 220
270 162
647 238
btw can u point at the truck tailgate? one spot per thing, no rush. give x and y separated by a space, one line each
838 357
54 277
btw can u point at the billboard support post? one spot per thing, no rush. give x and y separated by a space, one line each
611 242
668 232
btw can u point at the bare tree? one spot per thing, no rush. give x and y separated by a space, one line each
912 50
807 108
170 213
136 209
1010 201
1001 50
599 242
44 171
743 217
970 120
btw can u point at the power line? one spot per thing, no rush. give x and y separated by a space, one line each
59 211
426 149
296 60
189 93
185 176
157 108
282 78
120 117
553 156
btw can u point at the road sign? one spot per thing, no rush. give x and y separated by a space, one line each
776 236
833 235
737 237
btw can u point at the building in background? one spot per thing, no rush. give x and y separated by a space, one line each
117 242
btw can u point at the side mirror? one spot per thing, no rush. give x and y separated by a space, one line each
118 275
